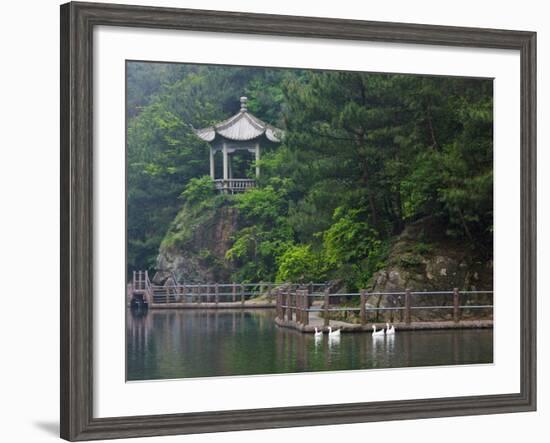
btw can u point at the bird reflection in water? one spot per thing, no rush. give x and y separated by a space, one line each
333 340
318 340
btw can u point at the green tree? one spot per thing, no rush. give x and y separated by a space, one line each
198 190
266 234
299 264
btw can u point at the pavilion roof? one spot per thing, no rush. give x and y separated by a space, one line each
241 127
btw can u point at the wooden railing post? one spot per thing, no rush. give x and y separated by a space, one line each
302 305
305 307
183 293
270 293
298 303
408 306
242 295
363 311
278 304
234 292
456 305
325 307
261 288
199 295
217 299
289 305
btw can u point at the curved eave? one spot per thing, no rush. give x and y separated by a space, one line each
207 134
274 135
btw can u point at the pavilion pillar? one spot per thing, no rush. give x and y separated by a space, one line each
257 160
225 166
229 166
212 168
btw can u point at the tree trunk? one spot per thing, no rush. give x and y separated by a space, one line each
370 197
398 220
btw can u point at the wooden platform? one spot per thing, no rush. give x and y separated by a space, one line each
249 304
304 311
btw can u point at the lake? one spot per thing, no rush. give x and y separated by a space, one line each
164 344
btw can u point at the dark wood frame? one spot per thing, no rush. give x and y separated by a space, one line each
77 23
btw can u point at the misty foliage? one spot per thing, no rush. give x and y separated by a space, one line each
363 155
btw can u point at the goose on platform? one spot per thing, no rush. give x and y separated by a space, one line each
376 333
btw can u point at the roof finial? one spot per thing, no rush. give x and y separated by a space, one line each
243 103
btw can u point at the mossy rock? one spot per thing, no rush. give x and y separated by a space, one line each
195 246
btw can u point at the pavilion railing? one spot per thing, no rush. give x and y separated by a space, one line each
234 184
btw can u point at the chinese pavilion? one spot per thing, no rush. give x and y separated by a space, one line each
241 132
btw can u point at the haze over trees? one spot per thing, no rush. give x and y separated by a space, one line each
363 156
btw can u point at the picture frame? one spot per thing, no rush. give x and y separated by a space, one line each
77 218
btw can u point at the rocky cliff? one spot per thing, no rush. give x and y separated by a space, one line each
195 246
423 258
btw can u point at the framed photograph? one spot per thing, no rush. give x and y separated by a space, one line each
272 221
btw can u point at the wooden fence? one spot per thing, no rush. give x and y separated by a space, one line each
172 292
296 305
199 293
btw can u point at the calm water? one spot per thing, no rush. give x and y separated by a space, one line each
193 343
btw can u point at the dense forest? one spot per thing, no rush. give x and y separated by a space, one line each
363 156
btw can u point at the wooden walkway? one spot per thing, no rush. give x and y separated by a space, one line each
173 295
248 304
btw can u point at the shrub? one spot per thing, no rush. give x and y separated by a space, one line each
198 190
298 264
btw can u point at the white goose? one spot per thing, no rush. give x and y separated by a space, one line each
390 331
376 333
318 333
332 333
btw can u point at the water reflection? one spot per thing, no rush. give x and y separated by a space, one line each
199 343
318 341
390 341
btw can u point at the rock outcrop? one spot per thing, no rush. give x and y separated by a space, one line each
195 246
422 258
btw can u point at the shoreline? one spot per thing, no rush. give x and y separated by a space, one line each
413 326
